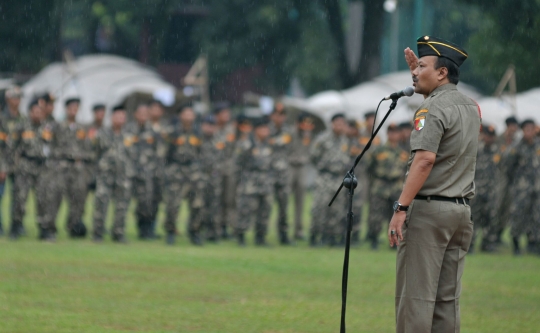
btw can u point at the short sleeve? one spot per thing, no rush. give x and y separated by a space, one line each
427 133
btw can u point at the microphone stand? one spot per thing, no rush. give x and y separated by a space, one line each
350 182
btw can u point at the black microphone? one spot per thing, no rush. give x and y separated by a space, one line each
409 91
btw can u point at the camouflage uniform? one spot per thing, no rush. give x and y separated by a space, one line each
50 177
160 129
145 163
71 152
256 184
329 155
504 191
91 166
114 176
212 153
3 164
387 166
298 160
227 182
281 139
483 205
31 148
10 125
522 165
184 179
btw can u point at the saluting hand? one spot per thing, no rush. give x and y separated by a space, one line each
411 59
396 225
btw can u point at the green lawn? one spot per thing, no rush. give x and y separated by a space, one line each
78 286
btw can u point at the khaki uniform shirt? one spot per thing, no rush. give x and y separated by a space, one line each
447 123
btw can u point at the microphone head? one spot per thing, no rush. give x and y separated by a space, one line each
409 91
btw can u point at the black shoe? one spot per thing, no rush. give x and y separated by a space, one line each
313 241
170 239
224 234
517 251
260 241
284 239
241 239
195 239
121 239
355 239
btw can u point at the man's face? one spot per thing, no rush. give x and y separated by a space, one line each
71 110
156 112
529 132
208 129
99 115
13 102
488 139
262 132
36 114
512 129
245 128
118 118
370 121
339 126
352 131
406 134
425 77
141 114
187 116
223 116
394 136
278 118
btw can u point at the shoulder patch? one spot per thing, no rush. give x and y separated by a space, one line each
419 123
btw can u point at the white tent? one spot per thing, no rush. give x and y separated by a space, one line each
95 79
363 98
496 109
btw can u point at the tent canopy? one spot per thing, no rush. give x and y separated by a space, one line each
358 100
94 79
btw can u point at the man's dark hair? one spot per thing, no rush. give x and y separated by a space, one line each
453 69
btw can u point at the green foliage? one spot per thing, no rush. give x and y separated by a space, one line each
28 34
509 33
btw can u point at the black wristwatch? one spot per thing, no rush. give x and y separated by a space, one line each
399 207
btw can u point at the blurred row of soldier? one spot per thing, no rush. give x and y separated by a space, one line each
232 171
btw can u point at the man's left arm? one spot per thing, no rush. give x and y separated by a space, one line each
420 169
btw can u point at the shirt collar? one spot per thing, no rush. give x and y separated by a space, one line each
444 87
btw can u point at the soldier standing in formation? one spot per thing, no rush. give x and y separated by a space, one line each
522 165
145 165
11 118
225 133
71 152
115 171
30 144
299 159
329 154
160 128
508 139
256 179
486 180
356 145
386 164
281 136
184 176
93 130
212 151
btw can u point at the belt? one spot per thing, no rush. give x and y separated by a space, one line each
462 201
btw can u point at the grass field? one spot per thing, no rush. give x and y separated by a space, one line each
79 286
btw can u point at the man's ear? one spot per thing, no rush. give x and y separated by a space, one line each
442 73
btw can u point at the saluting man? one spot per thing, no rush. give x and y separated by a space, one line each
432 217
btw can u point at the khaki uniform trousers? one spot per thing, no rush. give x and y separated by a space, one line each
430 262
